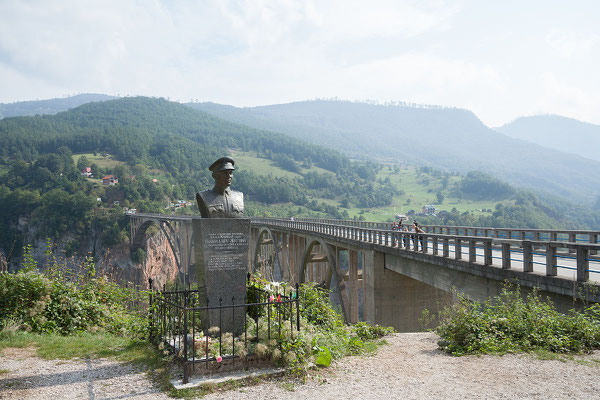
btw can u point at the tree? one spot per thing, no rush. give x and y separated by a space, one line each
439 197
82 162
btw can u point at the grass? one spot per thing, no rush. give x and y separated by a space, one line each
419 189
103 162
249 161
542 354
261 166
288 386
53 346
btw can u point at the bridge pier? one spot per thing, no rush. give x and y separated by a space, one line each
394 299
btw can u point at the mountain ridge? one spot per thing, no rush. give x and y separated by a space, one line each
49 106
447 138
557 132
450 139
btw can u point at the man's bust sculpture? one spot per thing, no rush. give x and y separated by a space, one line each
221 202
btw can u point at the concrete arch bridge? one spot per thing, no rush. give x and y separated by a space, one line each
389 277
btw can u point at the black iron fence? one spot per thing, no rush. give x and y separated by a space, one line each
178 326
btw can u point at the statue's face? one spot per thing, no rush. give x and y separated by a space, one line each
223 178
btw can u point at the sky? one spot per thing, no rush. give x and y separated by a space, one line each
500 59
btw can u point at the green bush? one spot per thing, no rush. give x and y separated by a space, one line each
24 297
323 335
508 323
317 309
366 331
52 304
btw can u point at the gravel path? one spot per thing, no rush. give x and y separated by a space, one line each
410 367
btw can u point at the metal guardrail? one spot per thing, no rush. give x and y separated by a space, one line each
583 236
427 242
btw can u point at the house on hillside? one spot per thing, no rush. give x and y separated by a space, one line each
110 180
429 209
87 172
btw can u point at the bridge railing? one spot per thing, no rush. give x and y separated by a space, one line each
479 249
582 236
551 235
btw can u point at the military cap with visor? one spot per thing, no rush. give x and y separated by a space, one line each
222 164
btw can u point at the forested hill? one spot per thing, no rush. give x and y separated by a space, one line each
561 133
445 138
43 194
159 152
155 132
49 106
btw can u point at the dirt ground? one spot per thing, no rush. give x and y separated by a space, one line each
409 367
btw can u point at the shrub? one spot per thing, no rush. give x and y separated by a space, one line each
508 323
24 296
317 309
323 336
366 331
52 304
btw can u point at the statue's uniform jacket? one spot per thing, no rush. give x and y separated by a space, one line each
220 204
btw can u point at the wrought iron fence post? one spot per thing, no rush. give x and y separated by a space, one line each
234 328
269 318
297 307
185 336
220 326
151 313
164 313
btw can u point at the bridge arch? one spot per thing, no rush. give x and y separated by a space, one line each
179 245
309 257
265 253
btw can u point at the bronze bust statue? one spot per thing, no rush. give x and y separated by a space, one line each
221 201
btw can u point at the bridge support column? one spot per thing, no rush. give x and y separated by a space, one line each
353 286
393 299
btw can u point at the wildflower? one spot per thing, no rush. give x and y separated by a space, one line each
290 357
219 359
261 350
271 298
279 298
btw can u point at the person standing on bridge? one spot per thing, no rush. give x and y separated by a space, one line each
221 201
417 229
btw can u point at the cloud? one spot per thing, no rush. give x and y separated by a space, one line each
564 98
568 44
260 52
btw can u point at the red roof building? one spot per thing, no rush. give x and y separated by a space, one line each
110 180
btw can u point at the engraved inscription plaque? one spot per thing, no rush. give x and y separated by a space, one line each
221 256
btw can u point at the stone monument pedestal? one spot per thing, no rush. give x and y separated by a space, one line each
221 265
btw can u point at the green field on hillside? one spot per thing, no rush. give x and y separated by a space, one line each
249 161
103 161
417 189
